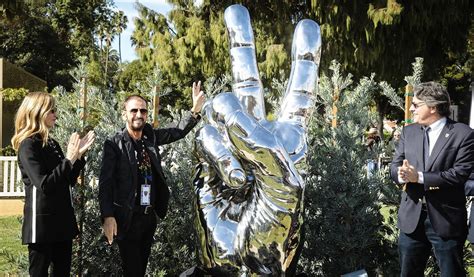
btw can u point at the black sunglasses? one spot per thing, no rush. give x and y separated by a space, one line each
419 104
136 111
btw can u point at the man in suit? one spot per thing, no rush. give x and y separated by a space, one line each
132 186
433 160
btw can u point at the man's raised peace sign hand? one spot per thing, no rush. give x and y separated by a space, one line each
249 189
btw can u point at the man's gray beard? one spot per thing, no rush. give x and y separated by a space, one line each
137 128
133 128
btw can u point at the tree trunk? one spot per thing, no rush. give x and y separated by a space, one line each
120 48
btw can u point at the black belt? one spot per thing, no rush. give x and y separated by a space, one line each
143 209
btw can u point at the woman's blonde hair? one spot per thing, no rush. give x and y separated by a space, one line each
31 118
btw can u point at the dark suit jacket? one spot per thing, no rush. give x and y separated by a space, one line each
118 174
469 191
48 177
449 166
469 186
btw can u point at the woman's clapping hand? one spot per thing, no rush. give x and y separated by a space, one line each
78 146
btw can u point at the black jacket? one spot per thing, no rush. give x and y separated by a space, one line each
449 166
48 177
118 174
469 190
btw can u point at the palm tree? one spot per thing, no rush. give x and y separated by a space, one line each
119 23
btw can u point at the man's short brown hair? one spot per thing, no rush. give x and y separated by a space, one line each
132 97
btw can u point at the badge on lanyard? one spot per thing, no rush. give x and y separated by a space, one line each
145 199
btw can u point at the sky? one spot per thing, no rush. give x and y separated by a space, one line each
127 6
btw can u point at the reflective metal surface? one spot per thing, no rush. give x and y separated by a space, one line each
249 185
247 85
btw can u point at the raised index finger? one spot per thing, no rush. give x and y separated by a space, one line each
196 88
247 85
305 56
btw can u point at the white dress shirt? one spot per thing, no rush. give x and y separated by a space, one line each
433 134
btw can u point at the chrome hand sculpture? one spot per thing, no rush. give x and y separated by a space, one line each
249 188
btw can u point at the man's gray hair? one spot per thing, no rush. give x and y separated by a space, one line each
434 95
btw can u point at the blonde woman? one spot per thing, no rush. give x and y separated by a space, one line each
49 223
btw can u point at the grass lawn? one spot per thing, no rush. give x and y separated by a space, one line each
12 252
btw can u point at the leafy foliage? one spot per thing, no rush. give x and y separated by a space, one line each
12 94
359 34
91 254
28 43
371 36
47 37
344 228
187 48
457 76
415 79
173 251
7 151
133 74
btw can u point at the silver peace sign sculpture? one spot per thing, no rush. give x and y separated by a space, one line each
248 183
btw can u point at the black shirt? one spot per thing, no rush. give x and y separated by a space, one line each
144 170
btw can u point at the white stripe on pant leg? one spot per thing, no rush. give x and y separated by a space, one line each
33 218
70 196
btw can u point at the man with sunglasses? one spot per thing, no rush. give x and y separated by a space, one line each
132 186
433 160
